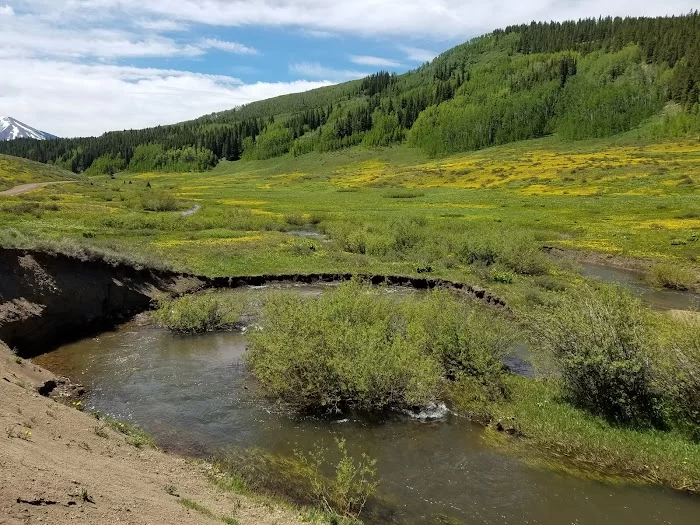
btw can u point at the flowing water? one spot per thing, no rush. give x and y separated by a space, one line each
655 298
194 394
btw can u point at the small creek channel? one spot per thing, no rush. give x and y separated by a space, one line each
196 397
654 298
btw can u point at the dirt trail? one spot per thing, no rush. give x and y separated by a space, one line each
50 452
25 188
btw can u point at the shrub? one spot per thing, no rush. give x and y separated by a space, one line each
517 252
345 348
199 313
678 370
354 481
157 200
467 342
672 276
295 219
357 347
600 342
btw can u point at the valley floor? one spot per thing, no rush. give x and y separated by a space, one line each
388 211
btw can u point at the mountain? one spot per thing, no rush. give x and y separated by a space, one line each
590 78
11 129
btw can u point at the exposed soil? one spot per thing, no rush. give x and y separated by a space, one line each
55 468
47 299
25 188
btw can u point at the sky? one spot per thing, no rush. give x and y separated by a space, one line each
83 67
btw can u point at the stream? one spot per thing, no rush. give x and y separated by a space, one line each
195 395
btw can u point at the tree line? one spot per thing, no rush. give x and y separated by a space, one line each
586 78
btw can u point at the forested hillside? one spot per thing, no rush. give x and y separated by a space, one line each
591 78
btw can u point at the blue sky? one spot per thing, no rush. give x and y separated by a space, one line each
287 54
83 67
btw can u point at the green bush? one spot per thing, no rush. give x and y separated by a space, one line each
157 200
672 276
353 484
359 347
346 347
467 342
678 371
601 342
199 313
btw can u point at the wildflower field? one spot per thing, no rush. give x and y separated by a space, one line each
382 210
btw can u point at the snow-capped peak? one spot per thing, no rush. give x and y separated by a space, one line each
11 129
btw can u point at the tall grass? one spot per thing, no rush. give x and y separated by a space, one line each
335 487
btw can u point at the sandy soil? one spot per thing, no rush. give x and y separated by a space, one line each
50 454
24 188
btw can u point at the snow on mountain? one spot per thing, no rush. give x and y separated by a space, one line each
11 129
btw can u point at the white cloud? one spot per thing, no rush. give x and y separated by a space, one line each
437 19
28 36
366 60
70 99
316 70
161 25
416 54
6 10
230 47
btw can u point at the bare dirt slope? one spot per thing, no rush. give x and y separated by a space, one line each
51 456
25 188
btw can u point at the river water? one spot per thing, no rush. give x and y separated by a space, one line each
195 396
659 299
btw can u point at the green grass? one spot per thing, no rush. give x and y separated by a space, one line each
15 171
135 435
621 196
557 435
197 507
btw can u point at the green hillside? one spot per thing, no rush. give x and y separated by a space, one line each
587 79
14 172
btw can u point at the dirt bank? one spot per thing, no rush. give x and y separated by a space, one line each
48 299
59 465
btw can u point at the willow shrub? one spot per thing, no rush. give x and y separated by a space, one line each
602 342
199 313
360 347
678 370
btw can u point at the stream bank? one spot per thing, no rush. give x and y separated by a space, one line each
62 466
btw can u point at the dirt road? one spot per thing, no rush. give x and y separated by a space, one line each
24 188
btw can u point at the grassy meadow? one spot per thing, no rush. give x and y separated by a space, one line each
387 210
